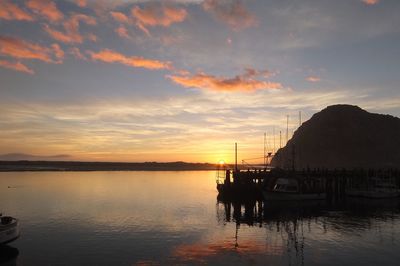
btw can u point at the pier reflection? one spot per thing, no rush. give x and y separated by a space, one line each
289 225
8 255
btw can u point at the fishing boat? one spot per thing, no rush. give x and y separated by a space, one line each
9 229
290 189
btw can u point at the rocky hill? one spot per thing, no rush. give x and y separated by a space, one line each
343 136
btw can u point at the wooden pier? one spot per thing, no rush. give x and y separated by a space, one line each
251 182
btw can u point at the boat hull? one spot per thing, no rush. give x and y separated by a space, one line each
373 194
285 196
9 232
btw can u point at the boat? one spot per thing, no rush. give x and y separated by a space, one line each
9 229
377 188
289 189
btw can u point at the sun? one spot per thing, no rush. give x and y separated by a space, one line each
221 162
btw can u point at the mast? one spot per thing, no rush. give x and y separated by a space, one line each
265 136
280 139
273 132
236 157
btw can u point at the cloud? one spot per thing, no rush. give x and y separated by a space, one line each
120 17
122 32
157 15
110 56
58 52
231 12
313 79
81 3
18 66
10 11
71 27
21 49
245 82
77 53
46 8
370 2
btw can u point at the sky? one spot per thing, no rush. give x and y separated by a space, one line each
184 80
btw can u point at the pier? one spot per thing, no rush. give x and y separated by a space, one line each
249 183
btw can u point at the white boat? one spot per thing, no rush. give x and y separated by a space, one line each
379 188
9 229
289 189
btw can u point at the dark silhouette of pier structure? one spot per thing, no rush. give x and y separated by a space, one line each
249 183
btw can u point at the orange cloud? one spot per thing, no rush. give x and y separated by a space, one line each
157 15
370 2
58 52
10 11
233 13
245 82
71 27
120 17
77 53
17 66
313 79
122 32
45 8
110 56
18 48
81 3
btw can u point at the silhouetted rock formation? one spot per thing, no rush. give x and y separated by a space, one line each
343 136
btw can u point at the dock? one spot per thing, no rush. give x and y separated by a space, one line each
249 183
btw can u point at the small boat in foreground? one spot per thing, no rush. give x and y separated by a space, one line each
289 189
9 229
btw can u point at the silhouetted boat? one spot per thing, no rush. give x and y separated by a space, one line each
289 189
378 188
9 229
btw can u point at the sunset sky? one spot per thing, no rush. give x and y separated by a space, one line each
184 80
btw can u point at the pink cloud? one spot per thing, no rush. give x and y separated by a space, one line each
10 11
110 56
120 17
77 53
21 49
313 79
233 13
58 52
157 15
71 32
370 2
81 3
246 82
46 8
122 32
17 66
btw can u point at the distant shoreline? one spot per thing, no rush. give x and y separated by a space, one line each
71 166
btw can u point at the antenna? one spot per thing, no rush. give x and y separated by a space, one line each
287 129
299 118
280 139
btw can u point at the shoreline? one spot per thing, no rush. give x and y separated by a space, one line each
72 166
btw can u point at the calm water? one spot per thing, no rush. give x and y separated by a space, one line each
159 218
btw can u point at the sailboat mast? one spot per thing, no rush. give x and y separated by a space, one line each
236 157
265 136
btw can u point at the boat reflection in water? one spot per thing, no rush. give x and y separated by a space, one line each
305 230
8 255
